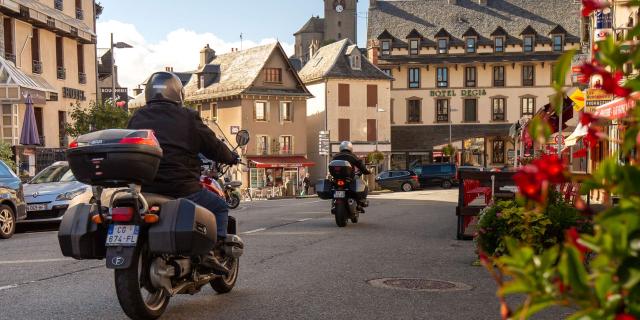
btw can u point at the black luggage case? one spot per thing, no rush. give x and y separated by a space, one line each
324 189
79 237
184 229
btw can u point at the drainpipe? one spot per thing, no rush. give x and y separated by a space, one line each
95 57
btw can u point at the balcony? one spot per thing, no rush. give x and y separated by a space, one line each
82 77
62 73
58 5
10 56
79 14
36 67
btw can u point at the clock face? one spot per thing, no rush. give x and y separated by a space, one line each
339 8
339 5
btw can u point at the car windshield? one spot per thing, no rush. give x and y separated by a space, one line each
5 171
54 174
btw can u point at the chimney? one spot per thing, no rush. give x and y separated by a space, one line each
374 51
313 47
168 69
206 55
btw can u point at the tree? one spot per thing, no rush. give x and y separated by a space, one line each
97 116
6 155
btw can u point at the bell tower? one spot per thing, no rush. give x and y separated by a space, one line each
340 20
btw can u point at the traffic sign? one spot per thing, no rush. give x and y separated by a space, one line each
324 143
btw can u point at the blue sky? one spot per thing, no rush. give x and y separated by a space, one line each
171 33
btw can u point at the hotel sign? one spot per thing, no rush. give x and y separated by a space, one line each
456 93
595 98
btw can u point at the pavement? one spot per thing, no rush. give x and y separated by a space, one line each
297 265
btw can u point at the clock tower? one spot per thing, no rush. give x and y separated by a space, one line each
340 19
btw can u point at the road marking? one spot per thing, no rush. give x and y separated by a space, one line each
9 287
303 220
34 261
254 231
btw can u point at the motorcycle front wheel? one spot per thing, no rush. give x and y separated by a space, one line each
341 215
138 298
233 201
226 283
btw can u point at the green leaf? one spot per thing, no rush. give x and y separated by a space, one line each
516 286
573 272
534 308
603 285
561 68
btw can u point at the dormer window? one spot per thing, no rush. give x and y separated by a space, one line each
471 45
386 47
356 64
558 43
201 80
498 44
414 47
528 44
443 45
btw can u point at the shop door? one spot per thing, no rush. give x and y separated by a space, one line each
38 113
291 181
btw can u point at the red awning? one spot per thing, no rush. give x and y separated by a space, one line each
280 162
617 109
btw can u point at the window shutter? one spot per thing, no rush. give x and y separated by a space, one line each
344 128
372 95
372 130
343 95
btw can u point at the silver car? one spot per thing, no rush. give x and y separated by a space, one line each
49 193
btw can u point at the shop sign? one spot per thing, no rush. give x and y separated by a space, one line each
455 93
618 108
602 34
324 145
604 19
595 98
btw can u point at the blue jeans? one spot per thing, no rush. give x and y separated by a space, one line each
218 206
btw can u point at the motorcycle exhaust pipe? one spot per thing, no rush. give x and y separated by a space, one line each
233 247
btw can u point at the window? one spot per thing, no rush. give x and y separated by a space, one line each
443 46
528 76
355 62
498 44
60 57
442 110
344 129
442 76
260 111
372 95
82 77
386 47
498 151
470 110
528 107
387 72
263 145
205 111
62 131
201 81
372 130
286 111
273 75
343 95
470 76
414 111
214 111
498 76
286 145
498 109
414 77
471 45
257 177
36 66
558 43
391 107
58 4
8 40
528 44
10 124
414 48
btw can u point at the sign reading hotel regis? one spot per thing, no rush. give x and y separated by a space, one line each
455 93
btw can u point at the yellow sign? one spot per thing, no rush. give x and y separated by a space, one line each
595 98
578 99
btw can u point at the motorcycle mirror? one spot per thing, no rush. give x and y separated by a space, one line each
242 138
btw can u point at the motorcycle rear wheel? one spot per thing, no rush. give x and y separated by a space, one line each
233 201
138 299
226 283
341 216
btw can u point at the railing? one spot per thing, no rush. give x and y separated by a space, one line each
442 118
82 77
62 73
37 67
24 12
79 14
58 4
10 56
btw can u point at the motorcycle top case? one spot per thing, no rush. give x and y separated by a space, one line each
115 157
324 189
184 229
340 169
79 237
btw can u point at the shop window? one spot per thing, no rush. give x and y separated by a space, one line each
498 151
10 124
257 177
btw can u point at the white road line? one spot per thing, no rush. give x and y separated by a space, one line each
254 231
9 287
34 261
303 220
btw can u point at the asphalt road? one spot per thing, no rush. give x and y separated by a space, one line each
297 265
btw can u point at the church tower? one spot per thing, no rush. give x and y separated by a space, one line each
340 19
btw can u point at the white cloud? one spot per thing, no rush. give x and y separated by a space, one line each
179 49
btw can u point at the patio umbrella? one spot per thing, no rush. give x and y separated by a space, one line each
29 134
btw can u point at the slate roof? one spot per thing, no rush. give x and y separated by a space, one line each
428 17
314 25
331 61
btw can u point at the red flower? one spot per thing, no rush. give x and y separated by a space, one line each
589 6
580 153
587 118
610 82
552 167
530 178
625 316
592 137
572 236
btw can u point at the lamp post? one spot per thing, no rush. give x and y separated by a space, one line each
450 131
119 45
378 110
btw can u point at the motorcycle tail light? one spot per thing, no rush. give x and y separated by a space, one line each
340 183
73 144
151 218
124 214
414 178
145 137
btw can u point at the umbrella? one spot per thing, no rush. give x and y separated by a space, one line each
29 134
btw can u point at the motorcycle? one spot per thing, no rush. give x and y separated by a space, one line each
346 188
225 189
154 244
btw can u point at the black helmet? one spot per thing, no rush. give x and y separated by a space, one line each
164 87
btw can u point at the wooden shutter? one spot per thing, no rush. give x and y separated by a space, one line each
80 58
372 130
343 95
372 95
344 130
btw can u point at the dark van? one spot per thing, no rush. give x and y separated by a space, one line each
437 174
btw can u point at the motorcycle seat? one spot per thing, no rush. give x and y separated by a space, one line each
154 199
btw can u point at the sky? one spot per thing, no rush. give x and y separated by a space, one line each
171 33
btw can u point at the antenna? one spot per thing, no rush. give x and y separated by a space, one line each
240 41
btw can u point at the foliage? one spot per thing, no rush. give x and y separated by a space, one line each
449 150
608 286
6 155
97 116
375 157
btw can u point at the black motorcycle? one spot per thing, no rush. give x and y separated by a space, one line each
347 191
155 244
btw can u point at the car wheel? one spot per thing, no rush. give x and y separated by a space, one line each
407 187
446 184
7 222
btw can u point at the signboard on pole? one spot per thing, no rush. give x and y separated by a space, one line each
324 143
595 98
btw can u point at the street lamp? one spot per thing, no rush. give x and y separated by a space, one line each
119 45
450 129
378 110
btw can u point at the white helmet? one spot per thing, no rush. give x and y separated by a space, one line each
346 146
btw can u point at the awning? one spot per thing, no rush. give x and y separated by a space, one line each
15 85
617 109
578 133
280 162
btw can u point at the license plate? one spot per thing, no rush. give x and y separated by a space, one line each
339 194
37 207
122 235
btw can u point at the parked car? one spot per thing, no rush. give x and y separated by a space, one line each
48 194
12 206
470 168
404 180
442 174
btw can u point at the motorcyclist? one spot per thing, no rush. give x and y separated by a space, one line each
183 135
346 154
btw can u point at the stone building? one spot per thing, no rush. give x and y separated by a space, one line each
467 69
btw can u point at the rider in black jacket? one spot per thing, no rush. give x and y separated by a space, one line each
182 136
346 154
